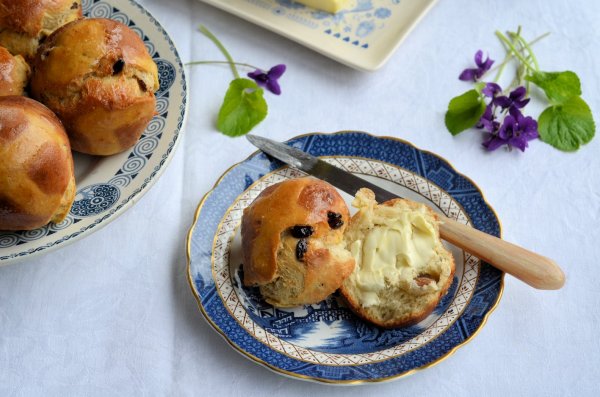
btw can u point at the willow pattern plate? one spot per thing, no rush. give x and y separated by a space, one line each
363 37
326 342
108 186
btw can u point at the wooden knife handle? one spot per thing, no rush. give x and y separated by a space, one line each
536 270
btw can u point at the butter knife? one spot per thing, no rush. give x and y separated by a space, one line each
534 269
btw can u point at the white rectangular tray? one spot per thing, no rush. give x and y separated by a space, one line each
362 37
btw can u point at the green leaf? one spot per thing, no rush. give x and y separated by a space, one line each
464 111
567 126
479 87
242 109
558 86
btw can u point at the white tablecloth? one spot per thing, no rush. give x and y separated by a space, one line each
113 313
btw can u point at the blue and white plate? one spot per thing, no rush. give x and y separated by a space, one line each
326 342
108 186
363 36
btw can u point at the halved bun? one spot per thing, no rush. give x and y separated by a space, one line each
402 268
293 244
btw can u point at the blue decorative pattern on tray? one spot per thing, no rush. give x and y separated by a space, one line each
353 26
326 342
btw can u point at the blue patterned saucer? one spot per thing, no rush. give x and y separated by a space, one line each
326 342
109 186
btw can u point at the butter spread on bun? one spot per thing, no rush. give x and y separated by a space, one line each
402 268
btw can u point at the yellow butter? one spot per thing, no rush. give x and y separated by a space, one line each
332 6
393 252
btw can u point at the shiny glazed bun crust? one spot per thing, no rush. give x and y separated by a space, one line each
98 77
293 242
26 23
37 183
14 73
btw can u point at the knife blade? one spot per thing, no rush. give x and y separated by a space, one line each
312 165
534 269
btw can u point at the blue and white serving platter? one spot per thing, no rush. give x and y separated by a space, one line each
108 186
326 342
363 36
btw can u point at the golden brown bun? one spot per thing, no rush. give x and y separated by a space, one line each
24 24
269 246
14 73
411 299
98 77
37 184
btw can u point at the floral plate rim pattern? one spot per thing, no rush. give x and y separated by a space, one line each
487 290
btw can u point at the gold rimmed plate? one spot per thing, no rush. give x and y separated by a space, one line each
326 342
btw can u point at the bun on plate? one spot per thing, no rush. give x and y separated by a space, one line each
293 242
37 184
14 73
402 268
24 24
98 77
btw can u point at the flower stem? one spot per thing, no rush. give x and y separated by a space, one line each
509 56
216 41
521 69
528 47
512 49
502 66
247 65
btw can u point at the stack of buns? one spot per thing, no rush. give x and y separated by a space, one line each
300 245
95 83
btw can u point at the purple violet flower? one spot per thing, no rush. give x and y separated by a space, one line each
514 132
514 101
269 79
528 131
488 120
474 74
491 90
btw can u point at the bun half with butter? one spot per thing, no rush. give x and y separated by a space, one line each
293 242
37 183
402 268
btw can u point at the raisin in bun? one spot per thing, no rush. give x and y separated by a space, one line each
14 73
98 77
37 184
402 268
293 242
24 24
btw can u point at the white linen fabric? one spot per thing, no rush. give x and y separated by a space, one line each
113 314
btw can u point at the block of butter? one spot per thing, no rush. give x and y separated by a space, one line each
331 6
